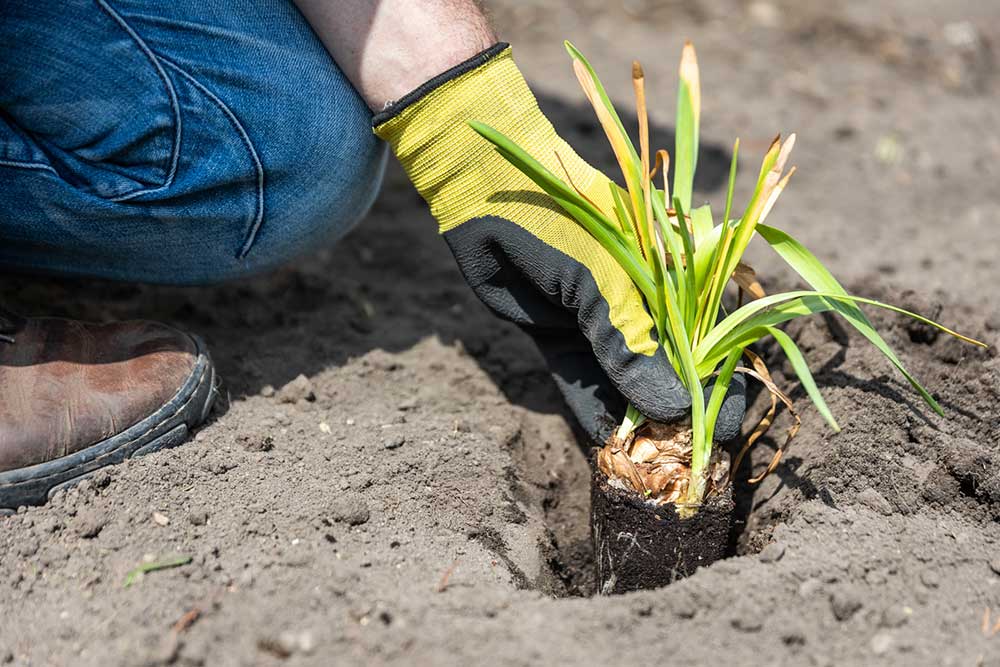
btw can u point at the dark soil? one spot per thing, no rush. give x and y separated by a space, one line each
639 546
419 497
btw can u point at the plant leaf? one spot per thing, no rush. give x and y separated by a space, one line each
739 328
803 262
701 442
690 289
602 95
621 144
701 224
746 278
579 208
686 131
798 362
761 373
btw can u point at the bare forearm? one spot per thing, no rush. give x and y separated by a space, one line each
387 48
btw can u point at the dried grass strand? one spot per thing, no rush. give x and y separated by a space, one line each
761 373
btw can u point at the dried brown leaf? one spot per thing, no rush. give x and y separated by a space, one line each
746 278
662 162
569 179
762 375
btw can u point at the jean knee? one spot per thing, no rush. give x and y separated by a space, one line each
315 201
253 165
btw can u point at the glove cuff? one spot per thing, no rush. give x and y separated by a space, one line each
498 50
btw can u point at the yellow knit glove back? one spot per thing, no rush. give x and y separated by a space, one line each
525 258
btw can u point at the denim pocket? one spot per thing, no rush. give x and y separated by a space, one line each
88 98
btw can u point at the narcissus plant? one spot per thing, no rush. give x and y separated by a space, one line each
682 258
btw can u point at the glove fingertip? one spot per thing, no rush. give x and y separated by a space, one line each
729 423
651 385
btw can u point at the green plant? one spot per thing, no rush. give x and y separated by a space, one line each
681 260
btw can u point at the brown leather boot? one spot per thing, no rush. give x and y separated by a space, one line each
77 396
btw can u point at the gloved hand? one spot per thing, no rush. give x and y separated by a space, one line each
525 258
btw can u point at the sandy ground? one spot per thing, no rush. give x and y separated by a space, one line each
418 497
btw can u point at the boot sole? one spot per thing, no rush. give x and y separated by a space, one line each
168 427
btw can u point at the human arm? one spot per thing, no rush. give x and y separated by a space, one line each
387 48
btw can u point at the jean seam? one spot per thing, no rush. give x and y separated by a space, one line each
18 164
171 93
258 217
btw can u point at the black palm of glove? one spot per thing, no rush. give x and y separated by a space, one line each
525 258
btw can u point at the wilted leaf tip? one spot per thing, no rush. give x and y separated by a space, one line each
689 75
637 72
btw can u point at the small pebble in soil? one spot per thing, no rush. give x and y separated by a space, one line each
299 389
727 566
995 566
218 467
361 482
881 643
747 618
255 442
101 479
89 524
394 441
875 577
875 501
300 642
844 604
894 616
772 553
930 579
267 391
161 519
198 518
50 525
809 586
28 547
350 509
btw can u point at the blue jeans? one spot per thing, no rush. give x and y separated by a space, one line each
174 141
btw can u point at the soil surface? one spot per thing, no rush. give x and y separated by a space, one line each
390 477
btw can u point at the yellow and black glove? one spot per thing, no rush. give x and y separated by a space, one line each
525 258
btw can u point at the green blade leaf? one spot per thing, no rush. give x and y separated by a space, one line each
803 262
701 441
625 220
688 268
579 208
713 348
732 182
603 95
686 131
671 238
704 253
798 362
775 308
702 224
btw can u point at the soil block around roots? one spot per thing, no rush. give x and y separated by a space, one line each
639 545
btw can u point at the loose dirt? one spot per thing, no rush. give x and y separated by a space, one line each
390 477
